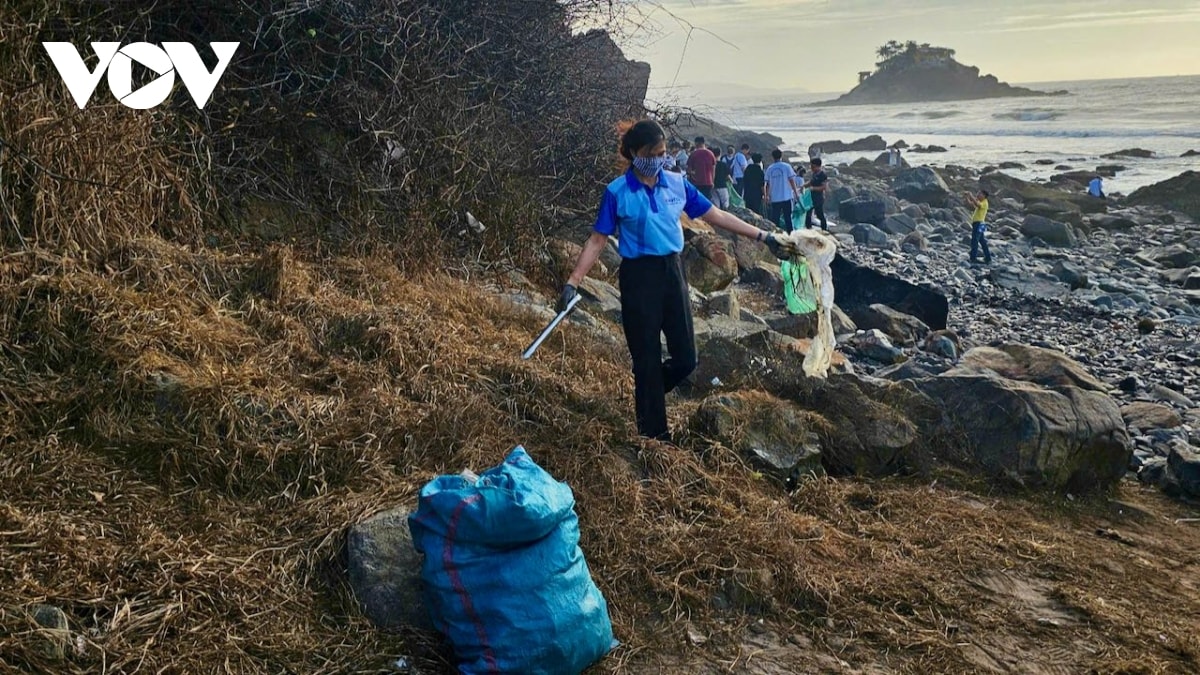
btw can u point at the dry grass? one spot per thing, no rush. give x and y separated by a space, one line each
188 434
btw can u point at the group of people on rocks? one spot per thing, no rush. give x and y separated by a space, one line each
771 192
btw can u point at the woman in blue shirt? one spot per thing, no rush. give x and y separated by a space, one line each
642 208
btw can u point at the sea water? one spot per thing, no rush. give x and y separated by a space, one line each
1097 117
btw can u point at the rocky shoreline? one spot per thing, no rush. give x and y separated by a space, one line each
1117 291
1106 292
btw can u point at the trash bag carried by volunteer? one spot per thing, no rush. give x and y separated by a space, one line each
504 577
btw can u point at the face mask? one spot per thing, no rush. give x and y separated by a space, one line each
649 166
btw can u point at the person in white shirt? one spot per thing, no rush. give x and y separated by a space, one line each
779 190
737 170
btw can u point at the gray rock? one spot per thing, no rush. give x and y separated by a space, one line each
874 345
869 235
862 210
777 437
842 324
767 276
921 185
901 328
1182 475
793 325
724 303
1052 232
55 630
601 298
915 243
1161 393
385 571
1067 439
1072 275
898 224
1145 416
1112 223
726 328
1176 256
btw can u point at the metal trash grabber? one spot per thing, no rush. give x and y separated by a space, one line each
550 328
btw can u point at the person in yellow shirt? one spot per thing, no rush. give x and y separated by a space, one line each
979 227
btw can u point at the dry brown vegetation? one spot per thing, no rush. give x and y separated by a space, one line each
190 419
188 434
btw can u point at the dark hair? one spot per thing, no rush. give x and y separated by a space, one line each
799 169
745 146
777 154
700 140
644 133
984 193
816 161
756 157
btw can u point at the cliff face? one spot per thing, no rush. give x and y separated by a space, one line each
907 81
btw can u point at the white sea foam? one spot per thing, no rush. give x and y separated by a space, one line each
1098 117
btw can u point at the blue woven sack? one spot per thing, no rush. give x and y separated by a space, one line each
505 579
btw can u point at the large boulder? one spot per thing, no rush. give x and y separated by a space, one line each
868 235
856 286
1002 186
385 571
766 275
1175 256
1145 416
902 328
872 143
1046 367
862 209
1112 223
709 262
1068 439
900 224
777 437
921 185
875 345
871 433
1070 274
1052 232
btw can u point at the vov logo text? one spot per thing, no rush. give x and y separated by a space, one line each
117 62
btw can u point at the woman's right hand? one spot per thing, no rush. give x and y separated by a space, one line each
564 299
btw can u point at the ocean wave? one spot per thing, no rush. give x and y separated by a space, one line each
929 114
1029 115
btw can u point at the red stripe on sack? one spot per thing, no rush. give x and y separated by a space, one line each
456 582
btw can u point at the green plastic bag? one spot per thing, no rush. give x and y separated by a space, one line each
735 199
801 207
798 288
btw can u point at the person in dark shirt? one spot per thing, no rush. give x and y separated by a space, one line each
752 184
721 179
817 184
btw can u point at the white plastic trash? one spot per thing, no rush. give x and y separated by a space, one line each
819 250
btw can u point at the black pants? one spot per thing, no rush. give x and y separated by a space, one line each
706 190
818 209
737 185
781 215
654 302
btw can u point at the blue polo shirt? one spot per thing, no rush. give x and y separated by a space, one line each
646 220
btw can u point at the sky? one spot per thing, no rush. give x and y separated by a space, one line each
742 46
